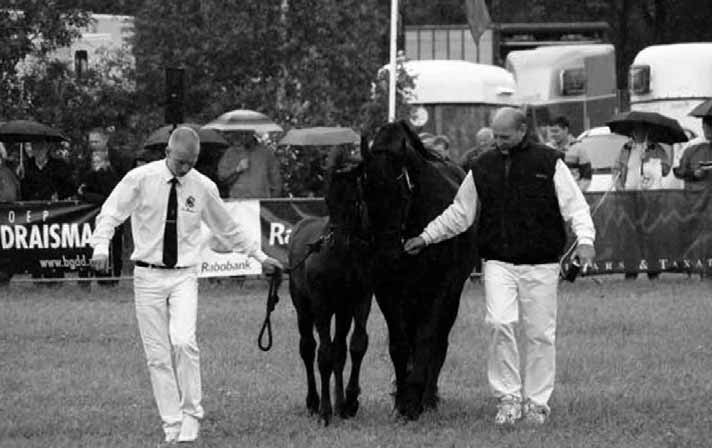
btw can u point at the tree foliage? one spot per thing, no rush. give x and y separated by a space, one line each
30 28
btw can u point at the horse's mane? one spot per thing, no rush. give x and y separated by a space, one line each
447 170
444 173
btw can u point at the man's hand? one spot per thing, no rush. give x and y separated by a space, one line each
585 253
414 245
100 262
270 265
242 165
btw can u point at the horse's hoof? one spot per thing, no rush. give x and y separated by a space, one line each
313 404
325 419
350 409
431 403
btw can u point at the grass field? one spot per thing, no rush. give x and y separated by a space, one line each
634 370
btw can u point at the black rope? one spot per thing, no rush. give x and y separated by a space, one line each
272 299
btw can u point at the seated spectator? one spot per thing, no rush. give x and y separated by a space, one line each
484 141
696 161
249 169
575 156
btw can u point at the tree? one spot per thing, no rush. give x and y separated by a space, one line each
102 97
31 28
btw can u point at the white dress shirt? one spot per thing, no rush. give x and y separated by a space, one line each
460 215
143 195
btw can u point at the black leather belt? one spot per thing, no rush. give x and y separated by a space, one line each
143 264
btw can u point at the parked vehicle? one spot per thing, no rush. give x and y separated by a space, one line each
576 81
672 80
457 98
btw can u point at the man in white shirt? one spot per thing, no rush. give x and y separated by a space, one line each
167 201
525 193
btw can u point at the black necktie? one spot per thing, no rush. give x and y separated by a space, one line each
170 235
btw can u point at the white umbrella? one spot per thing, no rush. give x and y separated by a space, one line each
244 120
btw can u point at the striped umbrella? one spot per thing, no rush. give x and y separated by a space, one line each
244 120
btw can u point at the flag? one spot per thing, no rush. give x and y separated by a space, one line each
477 17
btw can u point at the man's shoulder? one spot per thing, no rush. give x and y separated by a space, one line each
543 150
200 179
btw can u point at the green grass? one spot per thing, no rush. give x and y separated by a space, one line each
634 370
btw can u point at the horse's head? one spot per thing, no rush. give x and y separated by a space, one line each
391 164
345 201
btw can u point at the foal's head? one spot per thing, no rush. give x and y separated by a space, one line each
345 201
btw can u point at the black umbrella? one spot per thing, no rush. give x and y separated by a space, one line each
703 109
209 139
15 131
659 128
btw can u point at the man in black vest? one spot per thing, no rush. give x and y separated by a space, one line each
525 193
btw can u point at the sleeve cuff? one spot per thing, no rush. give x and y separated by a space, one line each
585 240
428 240
101 249
260 256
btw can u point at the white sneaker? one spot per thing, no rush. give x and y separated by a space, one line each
171 436
509 410
535 414
189 429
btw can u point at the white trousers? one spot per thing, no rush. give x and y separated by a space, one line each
531 289
166 310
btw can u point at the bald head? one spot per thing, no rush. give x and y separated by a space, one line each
485 138
510 127
182 151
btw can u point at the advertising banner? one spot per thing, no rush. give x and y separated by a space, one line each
46 236
664 230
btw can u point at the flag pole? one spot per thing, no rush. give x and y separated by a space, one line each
392 69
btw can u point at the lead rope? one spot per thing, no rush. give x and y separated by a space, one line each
273 297
572 272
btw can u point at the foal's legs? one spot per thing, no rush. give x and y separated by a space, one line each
325 360
343 324
307 347
357 348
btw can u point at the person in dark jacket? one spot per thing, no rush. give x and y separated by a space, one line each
525 193
46 178
95 186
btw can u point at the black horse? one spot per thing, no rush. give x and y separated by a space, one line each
406 187
331 277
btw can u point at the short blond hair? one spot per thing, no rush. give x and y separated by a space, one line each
185 137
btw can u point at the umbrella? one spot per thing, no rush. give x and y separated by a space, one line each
320 136
703 109
244 120
208 138
660 128
29 131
